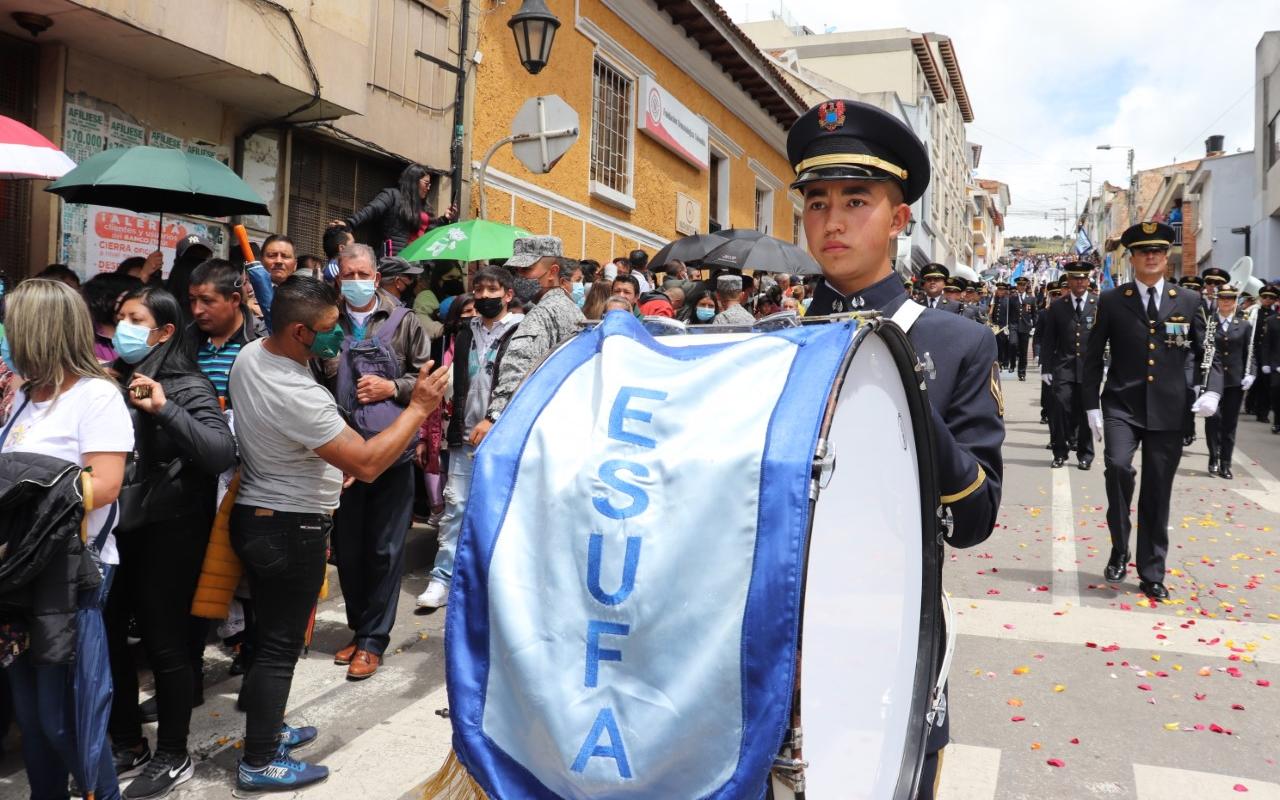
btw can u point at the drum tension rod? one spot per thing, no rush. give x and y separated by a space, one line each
824 464
946 523
791 772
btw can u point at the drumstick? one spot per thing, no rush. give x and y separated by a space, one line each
242 236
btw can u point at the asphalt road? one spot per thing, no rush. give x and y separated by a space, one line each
1131 700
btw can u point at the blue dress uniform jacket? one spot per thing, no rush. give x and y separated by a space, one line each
1233 348
1066 337
951 306
1147 380
965 395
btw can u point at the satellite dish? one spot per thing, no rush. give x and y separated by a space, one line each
1240 273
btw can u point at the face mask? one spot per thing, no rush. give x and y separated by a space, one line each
527 289
7 356
327 344
489 307
579 293
130 341
358 293
704 314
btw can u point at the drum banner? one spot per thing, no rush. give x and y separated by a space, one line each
626 593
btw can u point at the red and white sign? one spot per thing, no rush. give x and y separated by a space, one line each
112 235
672 125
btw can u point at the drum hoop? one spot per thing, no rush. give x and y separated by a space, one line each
931 612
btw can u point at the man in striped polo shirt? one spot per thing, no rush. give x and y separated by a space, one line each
221 325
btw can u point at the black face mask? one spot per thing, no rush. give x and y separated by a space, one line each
489 307
527 289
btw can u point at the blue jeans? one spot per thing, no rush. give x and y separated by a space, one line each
43 704
456 491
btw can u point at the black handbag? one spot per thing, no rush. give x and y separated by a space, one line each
141 479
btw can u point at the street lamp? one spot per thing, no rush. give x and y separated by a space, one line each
1133 192
534 27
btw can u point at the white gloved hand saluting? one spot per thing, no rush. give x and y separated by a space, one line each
1047 378
1206 405
1095 423
1246 382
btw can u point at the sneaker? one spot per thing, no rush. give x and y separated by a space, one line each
292 738
435 596
165 772
283 774
130 761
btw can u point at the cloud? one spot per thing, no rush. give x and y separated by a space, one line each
1051 80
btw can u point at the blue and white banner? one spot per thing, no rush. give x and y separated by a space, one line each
626 596
1083 245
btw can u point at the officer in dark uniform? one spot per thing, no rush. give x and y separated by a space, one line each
951 291
1154 329
1232 334
934 280
1025 321
1066 339
1003 313
1046 393
972 307
859 169
1258 402
1269 362
1209 282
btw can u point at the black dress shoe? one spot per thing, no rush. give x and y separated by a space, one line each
1044 420
1187 441
1213 466
1058 462
1275 428
1049 446
1085 463
1225 472
1022 378
1117 565
1154 589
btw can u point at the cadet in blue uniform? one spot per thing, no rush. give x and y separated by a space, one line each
951 292
1062 351
859 169
972 305
1046 393
1154 330
934 279
1003 319
1232 334
1259 396
1024 320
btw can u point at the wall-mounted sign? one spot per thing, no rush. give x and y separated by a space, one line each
688 214
671 124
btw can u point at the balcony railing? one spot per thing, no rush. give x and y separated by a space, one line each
1177 233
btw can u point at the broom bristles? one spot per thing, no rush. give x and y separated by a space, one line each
452 782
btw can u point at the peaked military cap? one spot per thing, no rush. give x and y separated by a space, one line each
934 271
1077 269
1228 292
1191 282
1215 275
1147 234
954 284
1269 291
849 140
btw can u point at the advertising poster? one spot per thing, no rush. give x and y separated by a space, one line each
113 234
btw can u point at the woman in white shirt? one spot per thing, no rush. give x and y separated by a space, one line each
67 407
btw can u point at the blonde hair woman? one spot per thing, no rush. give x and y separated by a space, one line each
67 407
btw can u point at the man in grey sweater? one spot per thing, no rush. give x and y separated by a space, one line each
556 318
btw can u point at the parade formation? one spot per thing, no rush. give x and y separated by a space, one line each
405 449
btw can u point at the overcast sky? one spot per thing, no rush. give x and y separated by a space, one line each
1051 80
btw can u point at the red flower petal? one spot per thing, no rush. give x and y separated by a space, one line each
1056 762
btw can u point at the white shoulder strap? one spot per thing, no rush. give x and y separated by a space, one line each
906 315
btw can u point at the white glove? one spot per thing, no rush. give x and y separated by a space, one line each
1206 405
1047 378
1095 423
1266 370
1246 382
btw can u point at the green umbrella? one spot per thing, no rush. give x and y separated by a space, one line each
153 179
473 240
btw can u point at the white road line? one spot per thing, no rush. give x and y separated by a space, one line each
1035 622
1269 496
969 773
1161 783
1066 583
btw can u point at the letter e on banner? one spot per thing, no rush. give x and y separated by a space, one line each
621 412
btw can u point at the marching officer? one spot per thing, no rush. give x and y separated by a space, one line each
1269 359
859 169
972 308
1259 402
1046 394
934 278
1209 283
1066 339
1003 311
1232 334
1154 330
951 295
1025 320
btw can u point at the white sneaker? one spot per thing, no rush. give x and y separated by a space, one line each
435 596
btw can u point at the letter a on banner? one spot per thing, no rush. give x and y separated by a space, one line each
615 750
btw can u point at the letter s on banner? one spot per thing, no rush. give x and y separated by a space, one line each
639 497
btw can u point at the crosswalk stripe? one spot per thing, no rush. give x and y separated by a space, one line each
1161 783
1034 622
1269 496
1066 581
969 772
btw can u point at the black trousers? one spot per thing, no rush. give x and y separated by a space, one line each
284 558
1004 351
1161 452
1258 400
368 543
1020 354
159 567
1220 429
1273 391
1068 423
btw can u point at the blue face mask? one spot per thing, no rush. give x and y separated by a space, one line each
7 356
579 293
130 341
358 293
704 314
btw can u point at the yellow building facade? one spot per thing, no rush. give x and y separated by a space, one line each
619 187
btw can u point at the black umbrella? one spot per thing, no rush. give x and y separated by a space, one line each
689 249
740 233
764 253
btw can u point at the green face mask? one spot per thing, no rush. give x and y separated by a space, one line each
327 344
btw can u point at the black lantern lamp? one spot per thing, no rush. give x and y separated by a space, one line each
534 27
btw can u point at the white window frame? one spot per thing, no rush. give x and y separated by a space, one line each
769 183
723 183
622 200
763 210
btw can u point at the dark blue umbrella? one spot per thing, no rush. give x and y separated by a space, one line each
91 693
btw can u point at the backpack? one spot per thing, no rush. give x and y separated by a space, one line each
374 355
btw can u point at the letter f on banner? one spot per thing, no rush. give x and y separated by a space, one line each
604 723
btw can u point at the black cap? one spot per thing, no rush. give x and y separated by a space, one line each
954 284
1191 282
934 271
189 241
1077 269
1215 275
390 266
849 140
1272 290
1228 292
1148 234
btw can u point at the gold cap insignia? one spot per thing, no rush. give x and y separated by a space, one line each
1148 227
